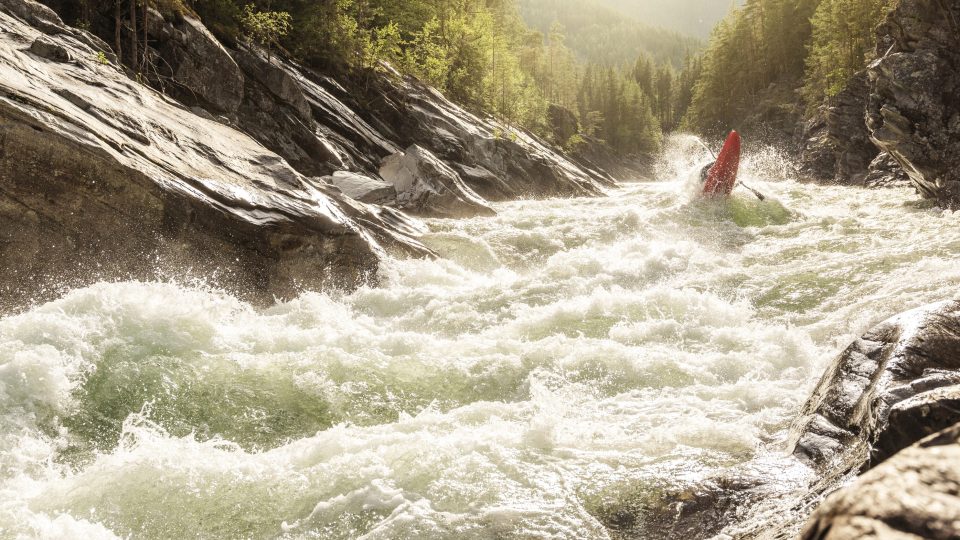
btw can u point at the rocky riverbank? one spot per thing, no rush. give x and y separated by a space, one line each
874 449
892 388
223 165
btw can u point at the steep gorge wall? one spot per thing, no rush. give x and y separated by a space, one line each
323 123
913 112
230 174
104 178
898 120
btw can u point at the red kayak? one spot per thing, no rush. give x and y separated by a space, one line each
723 175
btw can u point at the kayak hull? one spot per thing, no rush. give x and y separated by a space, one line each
722 177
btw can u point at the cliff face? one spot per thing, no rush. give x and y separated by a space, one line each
232 172
321 125
914 495
897 385
904 107
836 146
875 444
101 177
913 111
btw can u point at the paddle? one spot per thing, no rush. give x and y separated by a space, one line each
759 195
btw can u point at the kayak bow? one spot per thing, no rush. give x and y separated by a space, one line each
723 175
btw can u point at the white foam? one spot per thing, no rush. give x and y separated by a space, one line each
565 354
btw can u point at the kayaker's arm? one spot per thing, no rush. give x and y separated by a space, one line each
705 171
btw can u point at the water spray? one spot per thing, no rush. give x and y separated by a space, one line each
759 195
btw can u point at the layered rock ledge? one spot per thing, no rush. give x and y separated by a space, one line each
895 385
104 178
873 454
221 164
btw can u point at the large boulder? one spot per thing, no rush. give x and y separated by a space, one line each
914 495
113 180
497 161
913 112
891 387
836 145
44 47
427 186
363 188
39 16
199 67
884 171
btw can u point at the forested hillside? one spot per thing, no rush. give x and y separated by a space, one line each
691 17
771 60
600 35
480 53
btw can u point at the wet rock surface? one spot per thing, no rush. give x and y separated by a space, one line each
229 174
884 171
866 405
913 112
363 188
426 186
895 386
913 495
198 67
322 125
917 417
103 178
495 161
44 47
699 510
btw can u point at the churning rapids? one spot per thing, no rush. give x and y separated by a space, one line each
565 363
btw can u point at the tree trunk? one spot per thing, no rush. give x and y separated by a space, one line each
118 24
146 36
134 37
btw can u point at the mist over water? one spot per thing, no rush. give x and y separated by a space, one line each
563 360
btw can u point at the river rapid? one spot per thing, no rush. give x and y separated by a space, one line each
564 365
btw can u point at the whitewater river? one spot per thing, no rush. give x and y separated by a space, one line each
565 363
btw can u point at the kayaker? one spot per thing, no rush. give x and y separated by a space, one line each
705 171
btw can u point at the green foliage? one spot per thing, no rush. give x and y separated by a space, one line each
480 53
101 58
428 55
598 34
265 27
617 110
762 53
385 44
843 38
757 47
575 141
